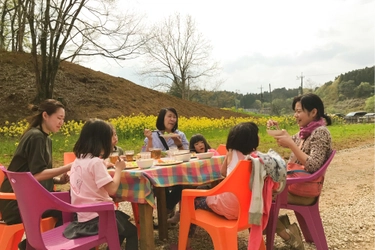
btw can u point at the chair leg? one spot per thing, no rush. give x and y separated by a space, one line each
312 227
224 239
271 227
136 218
183 231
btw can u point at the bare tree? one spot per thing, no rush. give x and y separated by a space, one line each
177 56
65 29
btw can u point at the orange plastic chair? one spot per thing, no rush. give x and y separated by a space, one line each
69 157
11 235
222 231
222 149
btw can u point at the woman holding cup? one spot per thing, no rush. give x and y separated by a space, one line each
167 124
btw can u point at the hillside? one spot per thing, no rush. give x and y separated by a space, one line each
87 93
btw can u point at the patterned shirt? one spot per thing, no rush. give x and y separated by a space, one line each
317 146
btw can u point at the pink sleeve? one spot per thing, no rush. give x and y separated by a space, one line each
214 151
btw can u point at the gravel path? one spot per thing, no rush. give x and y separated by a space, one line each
346 206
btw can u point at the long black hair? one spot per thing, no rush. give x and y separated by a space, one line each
160 120
50 106
243 137
311 101
197 138
95 139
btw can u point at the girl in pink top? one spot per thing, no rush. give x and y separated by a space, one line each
199 144
90 183
242 140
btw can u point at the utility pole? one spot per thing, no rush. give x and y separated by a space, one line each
270 93
301 77
261 99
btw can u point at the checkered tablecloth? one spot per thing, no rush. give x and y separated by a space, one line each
194 172
136 185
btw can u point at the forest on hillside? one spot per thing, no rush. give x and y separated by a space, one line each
350 91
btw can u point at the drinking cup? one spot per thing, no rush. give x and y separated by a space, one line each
129 154
145 155
113 158
156 153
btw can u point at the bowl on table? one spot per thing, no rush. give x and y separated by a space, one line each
182 157
206 155
145 163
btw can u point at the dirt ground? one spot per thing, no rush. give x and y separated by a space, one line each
346 206
87 93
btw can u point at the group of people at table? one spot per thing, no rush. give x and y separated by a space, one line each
90 181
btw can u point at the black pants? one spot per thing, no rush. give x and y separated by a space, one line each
173 196
126 230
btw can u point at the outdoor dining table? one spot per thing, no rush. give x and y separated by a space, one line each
142 186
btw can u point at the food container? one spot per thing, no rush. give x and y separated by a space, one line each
145 163
182 157
206 155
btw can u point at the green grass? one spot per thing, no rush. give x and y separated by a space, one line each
343 136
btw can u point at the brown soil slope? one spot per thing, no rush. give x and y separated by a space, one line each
87 93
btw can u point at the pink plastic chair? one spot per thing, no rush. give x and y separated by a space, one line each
308 216
33 199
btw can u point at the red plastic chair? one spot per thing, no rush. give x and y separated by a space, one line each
308 216
11 235
222 231
32 207
222 149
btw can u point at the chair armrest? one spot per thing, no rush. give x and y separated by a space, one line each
7 196
301 179
64 196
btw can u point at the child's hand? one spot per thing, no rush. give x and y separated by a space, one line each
120 164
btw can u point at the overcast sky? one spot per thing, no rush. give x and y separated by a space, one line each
258 43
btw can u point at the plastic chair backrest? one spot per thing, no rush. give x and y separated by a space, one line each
222 149
313 216
32 207
10 235
238 183
69 157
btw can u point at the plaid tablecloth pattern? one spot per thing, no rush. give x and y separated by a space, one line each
136 185
194 172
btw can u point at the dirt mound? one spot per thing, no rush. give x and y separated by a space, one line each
87 93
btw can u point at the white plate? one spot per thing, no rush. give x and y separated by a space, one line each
169 135
275 132
167 163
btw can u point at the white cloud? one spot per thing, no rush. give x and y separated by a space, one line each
272 42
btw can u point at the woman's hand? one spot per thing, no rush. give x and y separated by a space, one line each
272 123
284 140
177 141
147 133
